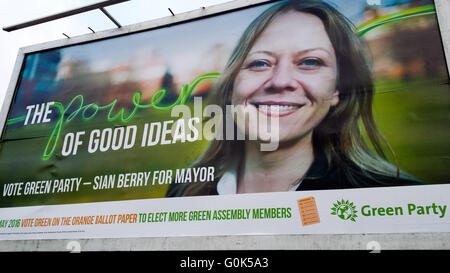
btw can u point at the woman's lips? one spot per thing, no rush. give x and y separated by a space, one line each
273 108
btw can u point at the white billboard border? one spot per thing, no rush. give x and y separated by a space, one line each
404 241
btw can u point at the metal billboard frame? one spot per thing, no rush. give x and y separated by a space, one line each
404 241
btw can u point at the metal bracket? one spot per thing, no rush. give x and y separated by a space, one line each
99 5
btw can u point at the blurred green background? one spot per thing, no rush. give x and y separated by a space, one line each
414 117
21 163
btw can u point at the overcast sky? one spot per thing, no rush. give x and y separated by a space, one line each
18 11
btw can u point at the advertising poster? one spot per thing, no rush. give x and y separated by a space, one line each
287 117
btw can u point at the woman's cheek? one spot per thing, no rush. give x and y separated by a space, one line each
324 84
246 84
240 95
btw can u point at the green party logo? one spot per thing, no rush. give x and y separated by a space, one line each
345 210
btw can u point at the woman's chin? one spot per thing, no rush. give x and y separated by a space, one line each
278 141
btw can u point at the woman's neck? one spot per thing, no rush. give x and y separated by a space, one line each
278 170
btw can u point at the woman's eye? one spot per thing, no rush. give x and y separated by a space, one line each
311 63
258 65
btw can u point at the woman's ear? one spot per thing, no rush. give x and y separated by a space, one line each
335 98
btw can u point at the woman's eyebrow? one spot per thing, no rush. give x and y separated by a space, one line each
298 53
262 52
302 52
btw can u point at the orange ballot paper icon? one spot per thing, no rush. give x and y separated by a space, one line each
308 211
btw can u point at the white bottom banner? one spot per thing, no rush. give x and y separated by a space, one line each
408 209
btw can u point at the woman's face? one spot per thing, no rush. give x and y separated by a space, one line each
290 73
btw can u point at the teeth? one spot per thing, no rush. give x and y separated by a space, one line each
277 107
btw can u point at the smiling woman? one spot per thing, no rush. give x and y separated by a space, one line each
302 62
295 71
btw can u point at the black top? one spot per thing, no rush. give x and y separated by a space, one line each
320 176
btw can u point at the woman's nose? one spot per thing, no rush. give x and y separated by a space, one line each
282 78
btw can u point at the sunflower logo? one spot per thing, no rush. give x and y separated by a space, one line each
345 210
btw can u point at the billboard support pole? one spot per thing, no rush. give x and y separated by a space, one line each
38 21
110 17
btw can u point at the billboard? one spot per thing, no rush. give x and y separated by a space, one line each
287 117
